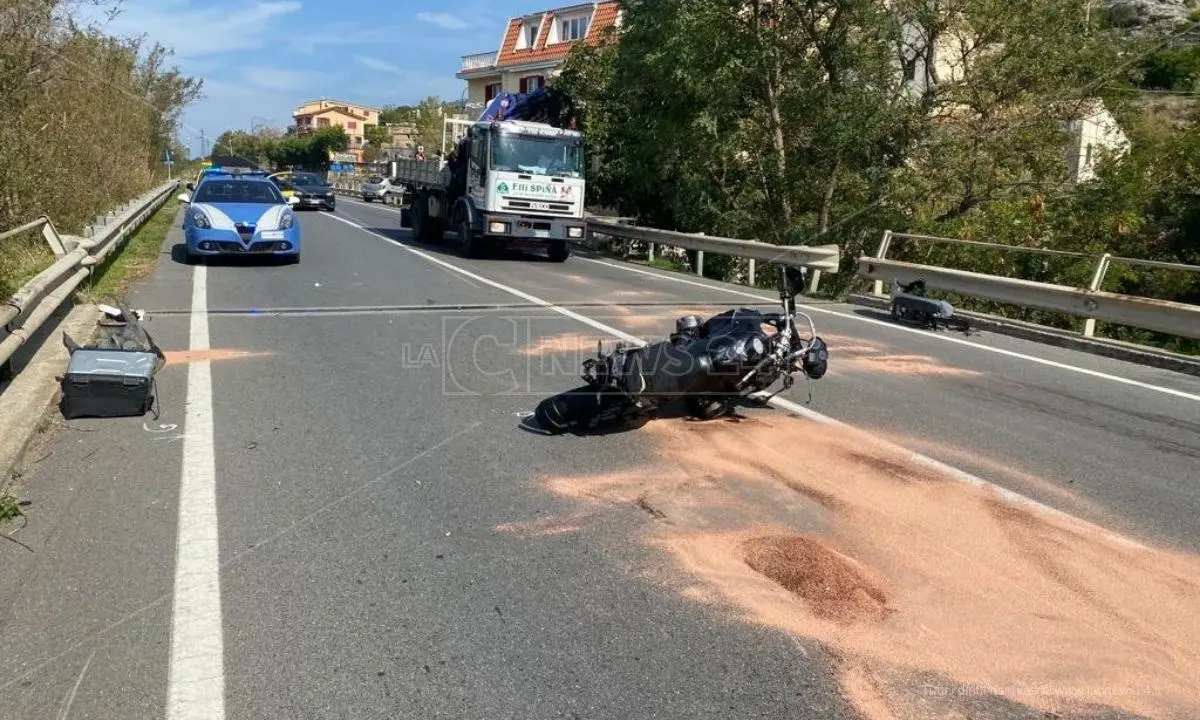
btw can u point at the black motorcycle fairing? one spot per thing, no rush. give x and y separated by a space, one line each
664 369
734 322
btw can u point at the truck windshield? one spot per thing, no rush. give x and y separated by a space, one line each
537 155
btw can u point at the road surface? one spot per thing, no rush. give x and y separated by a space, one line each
368 533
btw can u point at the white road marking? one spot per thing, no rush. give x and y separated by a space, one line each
196 684
789 406
479 278
922 333
70 699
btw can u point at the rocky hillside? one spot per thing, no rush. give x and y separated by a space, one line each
1152 15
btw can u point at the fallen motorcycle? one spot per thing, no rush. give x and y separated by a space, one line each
708 365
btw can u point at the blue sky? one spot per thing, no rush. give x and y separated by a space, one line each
260 59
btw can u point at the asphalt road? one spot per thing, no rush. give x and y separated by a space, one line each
390 544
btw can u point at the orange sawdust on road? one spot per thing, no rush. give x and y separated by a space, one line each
183 357
827 534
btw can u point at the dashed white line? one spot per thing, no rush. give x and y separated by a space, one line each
196 683
938 466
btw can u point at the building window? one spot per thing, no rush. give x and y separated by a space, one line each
528 36
1087 158
351 125
491 91
532 82
322 122
573 29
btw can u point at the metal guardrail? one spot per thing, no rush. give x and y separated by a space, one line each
1090 303
818 258
29 307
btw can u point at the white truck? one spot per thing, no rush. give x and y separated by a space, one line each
507 184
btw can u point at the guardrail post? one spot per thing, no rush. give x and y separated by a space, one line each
52 239
880 253
751 272
1089 325
815 279
699 262
650 252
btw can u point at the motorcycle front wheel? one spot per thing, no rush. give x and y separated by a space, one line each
706 408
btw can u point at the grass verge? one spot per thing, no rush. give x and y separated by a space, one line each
135 260
21 258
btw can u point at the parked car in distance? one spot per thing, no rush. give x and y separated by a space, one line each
309 189
376 187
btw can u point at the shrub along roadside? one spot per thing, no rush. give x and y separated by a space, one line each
88 119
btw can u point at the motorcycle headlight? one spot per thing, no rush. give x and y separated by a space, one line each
286 221
200 220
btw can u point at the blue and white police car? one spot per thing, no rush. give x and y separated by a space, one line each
239 212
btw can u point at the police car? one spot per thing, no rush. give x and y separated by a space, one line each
239 212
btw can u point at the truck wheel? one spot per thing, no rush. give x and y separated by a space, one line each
559 252
470 243
416 217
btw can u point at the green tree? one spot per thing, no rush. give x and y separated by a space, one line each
377 135
395 114
310 151
429 119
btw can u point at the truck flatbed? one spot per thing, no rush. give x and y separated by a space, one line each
422 173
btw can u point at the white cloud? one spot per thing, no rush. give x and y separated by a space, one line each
206 31
377 64
442 20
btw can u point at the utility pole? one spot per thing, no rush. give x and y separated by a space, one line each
203 145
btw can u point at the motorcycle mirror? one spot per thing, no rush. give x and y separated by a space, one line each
793 280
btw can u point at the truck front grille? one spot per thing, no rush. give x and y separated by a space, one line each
550 208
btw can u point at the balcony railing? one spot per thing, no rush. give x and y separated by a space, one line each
478 61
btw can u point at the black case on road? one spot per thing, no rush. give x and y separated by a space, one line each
108 383
114 377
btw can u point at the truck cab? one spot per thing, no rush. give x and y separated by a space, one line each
518 184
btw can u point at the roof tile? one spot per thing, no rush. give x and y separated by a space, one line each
604 17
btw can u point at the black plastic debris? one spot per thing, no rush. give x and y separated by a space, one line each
113 376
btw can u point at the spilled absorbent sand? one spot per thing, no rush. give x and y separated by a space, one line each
855 355
566 343
903 573
183 357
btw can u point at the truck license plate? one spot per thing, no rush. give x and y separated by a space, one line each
541 233
539 206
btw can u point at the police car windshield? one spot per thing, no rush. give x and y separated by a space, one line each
237 191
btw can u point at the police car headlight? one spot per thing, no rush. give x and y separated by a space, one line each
200 220
286 221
